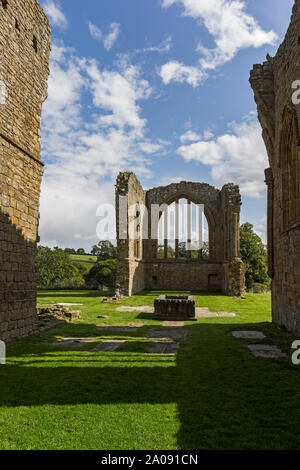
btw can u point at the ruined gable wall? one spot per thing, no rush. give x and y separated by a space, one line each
24 70
272 85
130 272
179 273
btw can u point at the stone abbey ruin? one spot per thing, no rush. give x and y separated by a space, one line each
140 267
273 83
24 70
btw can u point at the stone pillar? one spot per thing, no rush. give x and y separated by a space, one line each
270 183
200 232
166 234
176 228
189 229
235 236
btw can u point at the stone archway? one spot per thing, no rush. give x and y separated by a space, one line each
222 271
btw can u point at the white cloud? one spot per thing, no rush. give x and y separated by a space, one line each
175 71
238 156
55 13
163 47
112 36
261 229
108 39
95 32
84 150
231 28
191 136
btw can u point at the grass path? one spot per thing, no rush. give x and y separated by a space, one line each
213 395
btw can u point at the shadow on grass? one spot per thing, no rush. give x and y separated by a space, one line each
70 294
226 398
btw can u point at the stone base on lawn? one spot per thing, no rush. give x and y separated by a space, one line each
175 308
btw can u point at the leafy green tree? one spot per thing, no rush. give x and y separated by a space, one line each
53 266
254 255
95 250
205 250
106 250
80 251
161 251
103 272
70 251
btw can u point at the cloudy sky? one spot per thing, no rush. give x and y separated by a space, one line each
158 87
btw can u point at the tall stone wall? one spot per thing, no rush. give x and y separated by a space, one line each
130 272
24 70
138 264
279 115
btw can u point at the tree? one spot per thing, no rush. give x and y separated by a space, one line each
254 255
80 251
95 250
70 251
103 272
106 250
53 266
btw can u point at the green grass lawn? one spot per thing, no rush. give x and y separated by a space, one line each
213 395
84 258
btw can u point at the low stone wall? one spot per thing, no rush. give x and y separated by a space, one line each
184 275
59 311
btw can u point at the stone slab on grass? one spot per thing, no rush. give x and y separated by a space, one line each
269 351
73 342
164 348
248 334
108 346
173 324
143 309
176 334
204 312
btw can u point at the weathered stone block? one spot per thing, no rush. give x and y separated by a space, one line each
175 308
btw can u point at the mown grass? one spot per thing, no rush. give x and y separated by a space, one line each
84 258
213 395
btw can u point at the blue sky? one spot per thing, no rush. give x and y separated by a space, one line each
158 87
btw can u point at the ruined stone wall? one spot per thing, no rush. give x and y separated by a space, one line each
223 271
24 70
130 272
184 275
280 117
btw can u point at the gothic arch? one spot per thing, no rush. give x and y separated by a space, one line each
289 163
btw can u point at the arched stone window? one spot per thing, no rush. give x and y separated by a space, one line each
290 162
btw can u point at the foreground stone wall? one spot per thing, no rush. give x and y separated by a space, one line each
279 115
138 264
24 70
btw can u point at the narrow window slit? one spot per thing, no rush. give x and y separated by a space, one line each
35 43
